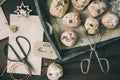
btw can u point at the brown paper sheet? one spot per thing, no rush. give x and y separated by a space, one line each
4 28
31 28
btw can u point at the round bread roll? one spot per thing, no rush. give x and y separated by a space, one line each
110 20
91 25
54 71
68 38
96 8
71 19
80 4
59 7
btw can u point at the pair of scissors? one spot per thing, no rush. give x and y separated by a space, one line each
19 59
88 61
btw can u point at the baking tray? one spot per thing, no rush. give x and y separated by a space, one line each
67 53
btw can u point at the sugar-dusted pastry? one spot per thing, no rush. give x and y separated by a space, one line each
54 71
71 19
96 8
91 25
110 20
69 38
80 4
59 7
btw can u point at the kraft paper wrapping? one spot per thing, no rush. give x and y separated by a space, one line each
31 28
4 28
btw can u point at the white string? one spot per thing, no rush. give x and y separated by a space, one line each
13 68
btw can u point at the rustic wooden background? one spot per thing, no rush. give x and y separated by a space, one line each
71 67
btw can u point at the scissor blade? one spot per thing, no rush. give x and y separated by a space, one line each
15 52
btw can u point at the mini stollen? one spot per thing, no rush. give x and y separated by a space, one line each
91 25
69 38
97 8
58 8
54 71
71 19
80 4
110 20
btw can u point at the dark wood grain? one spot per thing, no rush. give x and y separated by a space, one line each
71 67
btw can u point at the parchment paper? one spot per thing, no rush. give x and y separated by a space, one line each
105 34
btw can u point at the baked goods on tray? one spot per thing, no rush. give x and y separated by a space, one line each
82 16
81 45
97 7
71 19
91 25
110 20
80 4
59 7
69 38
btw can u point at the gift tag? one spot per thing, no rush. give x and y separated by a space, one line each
44 49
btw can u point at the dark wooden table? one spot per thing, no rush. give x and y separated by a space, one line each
71 67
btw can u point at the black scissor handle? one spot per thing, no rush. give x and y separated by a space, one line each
13 49
20 46
5 53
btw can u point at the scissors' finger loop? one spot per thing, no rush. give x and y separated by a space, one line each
88 66
17 40
10 46
107 65
100 63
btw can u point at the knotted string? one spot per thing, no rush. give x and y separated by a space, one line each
13 67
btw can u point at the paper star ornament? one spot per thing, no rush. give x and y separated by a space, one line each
23 10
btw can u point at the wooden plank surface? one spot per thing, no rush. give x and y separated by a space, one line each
72 69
